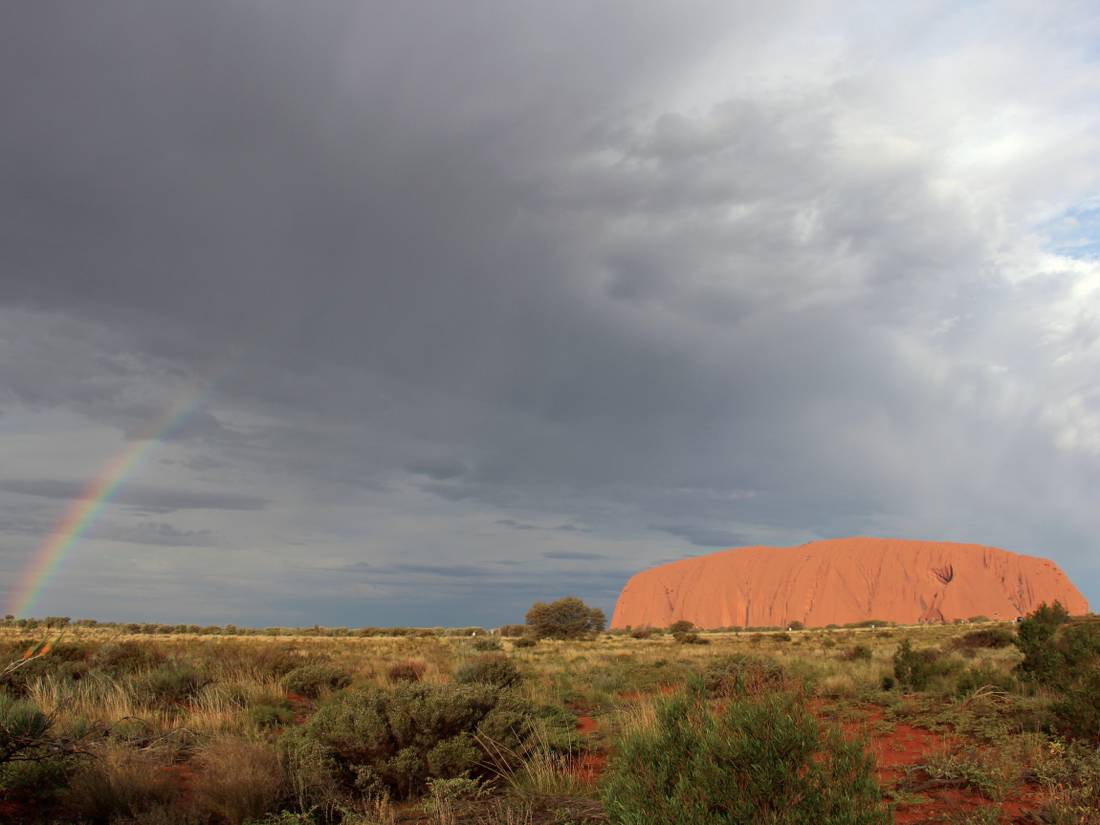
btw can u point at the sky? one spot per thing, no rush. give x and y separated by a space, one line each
465 305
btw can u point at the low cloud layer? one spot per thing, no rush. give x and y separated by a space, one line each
577 289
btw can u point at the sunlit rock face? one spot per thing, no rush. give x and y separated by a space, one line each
844 580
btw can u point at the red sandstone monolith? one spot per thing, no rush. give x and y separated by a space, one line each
839 581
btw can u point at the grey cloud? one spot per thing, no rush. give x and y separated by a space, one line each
566 554
496 266
138 497
153 533
522 525
702 536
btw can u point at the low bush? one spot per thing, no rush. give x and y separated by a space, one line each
171 683
1077 712
641 633
486 645
984 675
987 637
513 630
312 680
499 671
373 741
744 675
691 639
525 641
755 761
567 618
271 713
858 653
117 659
408 671
917 669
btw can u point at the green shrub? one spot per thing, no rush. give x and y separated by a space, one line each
31 761
987 637
311 680
982 676
486 645
123 658
917 669
567 618
743 675
641 633
499 671
375 741
691 639
858 653
756 761
171 683
1077 712
525 641
409 671
271 714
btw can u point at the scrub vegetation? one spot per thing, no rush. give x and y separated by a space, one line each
556 722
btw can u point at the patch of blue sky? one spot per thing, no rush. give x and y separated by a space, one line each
1075 233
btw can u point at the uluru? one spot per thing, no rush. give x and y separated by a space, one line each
840 581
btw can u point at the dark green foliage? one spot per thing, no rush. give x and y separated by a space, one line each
984 676
64 661
567 618
1056 652
1077 713
682 626
171 683
641 633
691 639
760 761
409 671
486 645
987 637
499 671
524 641
118 659
273 714
743 675
22 725
312 680
888 682
1065 656
375 740
858 653
31 762
917 669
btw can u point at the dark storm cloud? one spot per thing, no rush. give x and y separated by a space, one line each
138 497
522 525
485 264
702 536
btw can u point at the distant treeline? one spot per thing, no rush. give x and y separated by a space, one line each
150 628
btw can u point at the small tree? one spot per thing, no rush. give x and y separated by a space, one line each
567 618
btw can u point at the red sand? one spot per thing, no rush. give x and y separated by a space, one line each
844 580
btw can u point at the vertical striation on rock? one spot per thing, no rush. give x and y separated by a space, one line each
838 581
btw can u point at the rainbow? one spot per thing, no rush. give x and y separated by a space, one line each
83 511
